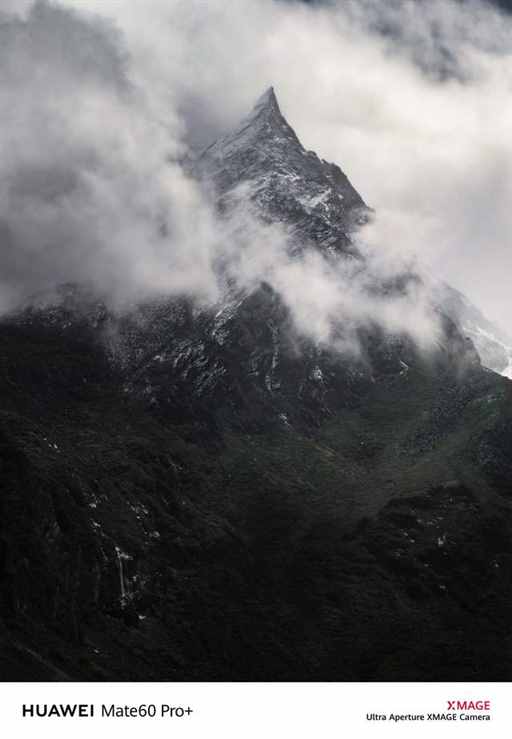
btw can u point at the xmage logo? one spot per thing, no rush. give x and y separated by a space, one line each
469 705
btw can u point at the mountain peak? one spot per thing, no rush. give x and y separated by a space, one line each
265 118
267 101
264 123
287 183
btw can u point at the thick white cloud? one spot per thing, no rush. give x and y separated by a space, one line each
416 116
88 176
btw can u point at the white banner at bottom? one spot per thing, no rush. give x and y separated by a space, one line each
254 710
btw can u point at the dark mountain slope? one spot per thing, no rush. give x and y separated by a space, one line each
188 494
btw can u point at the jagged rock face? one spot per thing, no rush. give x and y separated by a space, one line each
287 183
315 198
239 364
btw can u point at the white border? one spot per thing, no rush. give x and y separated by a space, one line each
256 710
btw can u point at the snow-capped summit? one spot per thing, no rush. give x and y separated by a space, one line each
293 186
264 122
267 100
286 182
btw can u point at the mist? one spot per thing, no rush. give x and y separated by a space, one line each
103 101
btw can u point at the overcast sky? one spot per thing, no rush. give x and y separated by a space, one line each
412 99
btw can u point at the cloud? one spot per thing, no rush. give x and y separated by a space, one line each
101 100
90 187
330 299
410 98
